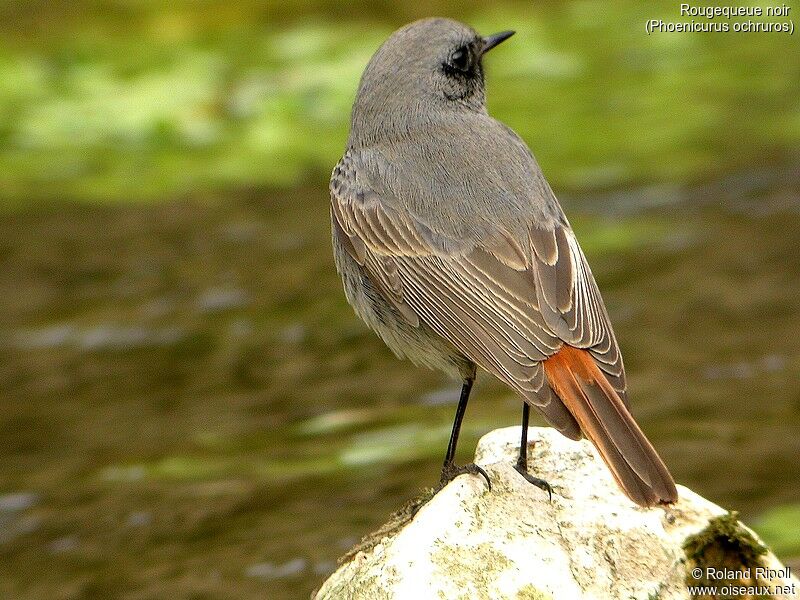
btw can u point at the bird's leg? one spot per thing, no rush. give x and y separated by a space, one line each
522 459
449 469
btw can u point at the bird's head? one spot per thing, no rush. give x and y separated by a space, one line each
426 67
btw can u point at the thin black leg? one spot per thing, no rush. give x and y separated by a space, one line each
522 459
466 388
449 469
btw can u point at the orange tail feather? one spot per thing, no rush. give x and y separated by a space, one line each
639 471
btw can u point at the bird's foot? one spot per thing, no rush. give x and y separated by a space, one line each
451 471
540 483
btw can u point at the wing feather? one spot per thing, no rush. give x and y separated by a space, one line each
506 305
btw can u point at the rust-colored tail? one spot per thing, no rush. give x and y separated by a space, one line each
603 418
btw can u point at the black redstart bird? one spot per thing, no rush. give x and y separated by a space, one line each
453 248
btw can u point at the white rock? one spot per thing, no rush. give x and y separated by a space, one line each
589 542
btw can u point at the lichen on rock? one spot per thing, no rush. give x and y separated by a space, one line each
590 541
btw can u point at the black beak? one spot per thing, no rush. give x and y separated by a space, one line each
491 41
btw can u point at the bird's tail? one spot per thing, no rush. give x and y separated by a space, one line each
603 418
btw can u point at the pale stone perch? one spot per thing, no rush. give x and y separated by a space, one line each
590 541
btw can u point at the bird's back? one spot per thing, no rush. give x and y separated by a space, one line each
463 175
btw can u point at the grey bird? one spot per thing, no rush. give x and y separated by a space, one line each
453 248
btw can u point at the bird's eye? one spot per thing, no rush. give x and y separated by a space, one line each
461 60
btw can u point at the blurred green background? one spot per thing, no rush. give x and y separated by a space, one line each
189 409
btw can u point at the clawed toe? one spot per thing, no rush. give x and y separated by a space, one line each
451 471
540 483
